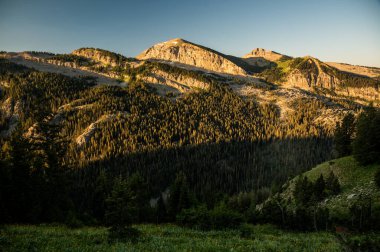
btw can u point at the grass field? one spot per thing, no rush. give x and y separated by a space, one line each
163 238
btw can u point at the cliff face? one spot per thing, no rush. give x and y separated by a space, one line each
181 51
261 57
313 74
361 70
180 82
310 74
97 55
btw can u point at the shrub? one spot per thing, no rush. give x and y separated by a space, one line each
377 178
367 242
223 218
246 230
196 217
72 221
123 234
200 217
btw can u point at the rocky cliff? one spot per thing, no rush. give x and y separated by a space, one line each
180 82
309 74
261 57
182 51
99 55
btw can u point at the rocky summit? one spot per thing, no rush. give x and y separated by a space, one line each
185 52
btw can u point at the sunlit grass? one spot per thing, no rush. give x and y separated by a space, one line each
354 179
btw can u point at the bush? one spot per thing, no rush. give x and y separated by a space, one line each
200 217
196 217
377 178
367 242
72 221
223 218
246 230
123 234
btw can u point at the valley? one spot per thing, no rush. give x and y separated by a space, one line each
200 139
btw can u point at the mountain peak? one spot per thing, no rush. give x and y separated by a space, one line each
265 54
181 51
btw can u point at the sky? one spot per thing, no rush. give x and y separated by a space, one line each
331 30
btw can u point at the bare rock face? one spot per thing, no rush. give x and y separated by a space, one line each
11 110
181 51
312 77
361 70
179 82
96 55
61 63
261 57
86 135
310 80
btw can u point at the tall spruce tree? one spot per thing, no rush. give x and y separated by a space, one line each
180 196
140 194
121 210
377 178
319 188
344 133
19 188
332 184
52 179
366 146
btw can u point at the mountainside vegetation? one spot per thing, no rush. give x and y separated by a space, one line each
307 68
222 143
76 152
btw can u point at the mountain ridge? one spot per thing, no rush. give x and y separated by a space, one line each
182 51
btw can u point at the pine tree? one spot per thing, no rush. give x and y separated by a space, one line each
319 188
343 137
366 146
303 191
140 194
51 175
121 210
160 210
332 184
377 178
180 197
20 188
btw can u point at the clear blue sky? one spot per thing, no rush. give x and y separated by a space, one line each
332 30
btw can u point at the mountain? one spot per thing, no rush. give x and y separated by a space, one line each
311 74
262 57
102 56
360 70
356 182
185 52
177 112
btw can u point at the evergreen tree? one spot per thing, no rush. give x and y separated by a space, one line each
361 212
161 213
366 146
303 191
344 133
122 209
140 194
5 183
319 188
180 196
100 195
377 178
51 175
20 188
332 184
